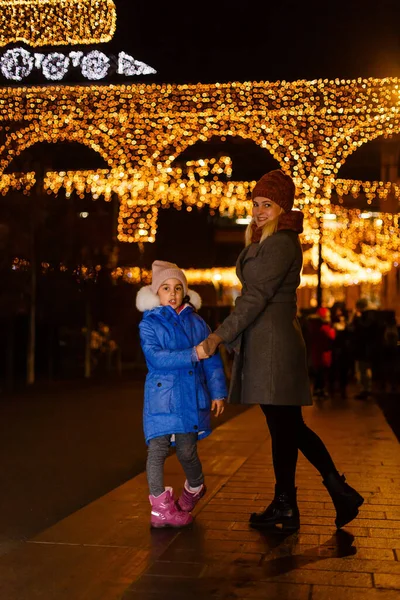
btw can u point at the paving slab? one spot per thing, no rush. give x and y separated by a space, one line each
106 551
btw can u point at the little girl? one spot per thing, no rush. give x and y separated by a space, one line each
181 388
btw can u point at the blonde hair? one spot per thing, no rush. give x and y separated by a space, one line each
269 229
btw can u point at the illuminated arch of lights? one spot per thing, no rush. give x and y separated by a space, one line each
309 127
67 131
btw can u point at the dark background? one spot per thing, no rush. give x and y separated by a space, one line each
242 41
185 42
190 42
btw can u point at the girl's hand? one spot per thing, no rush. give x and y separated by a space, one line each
201 352
218 406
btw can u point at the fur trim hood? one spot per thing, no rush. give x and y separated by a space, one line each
147 300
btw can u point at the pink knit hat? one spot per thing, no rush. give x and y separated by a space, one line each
162 270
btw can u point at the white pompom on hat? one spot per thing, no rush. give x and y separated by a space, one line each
162 270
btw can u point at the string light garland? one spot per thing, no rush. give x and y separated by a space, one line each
80 272
156 123
16 64
55 66
95 65
347 230
370 189
309 127
226 277
17 181
57 22
129 66
343 235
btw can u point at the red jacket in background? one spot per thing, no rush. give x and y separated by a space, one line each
321 336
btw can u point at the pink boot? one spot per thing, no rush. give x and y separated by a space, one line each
188 500
164 512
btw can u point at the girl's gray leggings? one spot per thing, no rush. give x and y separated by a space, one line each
186 451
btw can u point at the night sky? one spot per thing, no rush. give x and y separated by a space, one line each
248 40
266 41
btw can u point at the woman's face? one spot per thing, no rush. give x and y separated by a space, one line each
265 210
171 293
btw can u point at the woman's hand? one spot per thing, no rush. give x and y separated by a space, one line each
218 406
201 353
211 344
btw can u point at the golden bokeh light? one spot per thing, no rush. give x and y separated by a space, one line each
57 22
309 127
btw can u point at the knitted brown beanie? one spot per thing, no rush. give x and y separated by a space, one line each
278 187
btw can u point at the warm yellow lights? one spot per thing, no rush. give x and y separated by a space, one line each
226 277
16 181
141 131
94 183
355 243
371 189
56 22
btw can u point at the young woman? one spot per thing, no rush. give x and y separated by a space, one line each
270 366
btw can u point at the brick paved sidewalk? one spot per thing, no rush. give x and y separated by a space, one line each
107 552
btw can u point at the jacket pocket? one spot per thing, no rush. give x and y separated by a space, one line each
203 395
159 394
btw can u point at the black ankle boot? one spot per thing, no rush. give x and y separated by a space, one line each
345 499
283 510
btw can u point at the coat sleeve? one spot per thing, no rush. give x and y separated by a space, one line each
213 370
273 264
159 358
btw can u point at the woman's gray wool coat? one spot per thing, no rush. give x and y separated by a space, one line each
270 364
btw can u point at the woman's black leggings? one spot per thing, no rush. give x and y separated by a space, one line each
289 434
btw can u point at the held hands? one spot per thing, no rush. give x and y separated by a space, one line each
210 345
218 406
201 352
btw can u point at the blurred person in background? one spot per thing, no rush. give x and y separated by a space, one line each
390 354
339 372
321 338
365 344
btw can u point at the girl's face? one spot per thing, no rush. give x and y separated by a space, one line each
265 210
171 293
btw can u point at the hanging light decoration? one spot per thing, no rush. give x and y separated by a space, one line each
56 22
309 127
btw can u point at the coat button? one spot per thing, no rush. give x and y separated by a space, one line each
195 427
190 372
159 384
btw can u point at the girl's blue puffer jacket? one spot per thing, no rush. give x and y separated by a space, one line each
178 388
